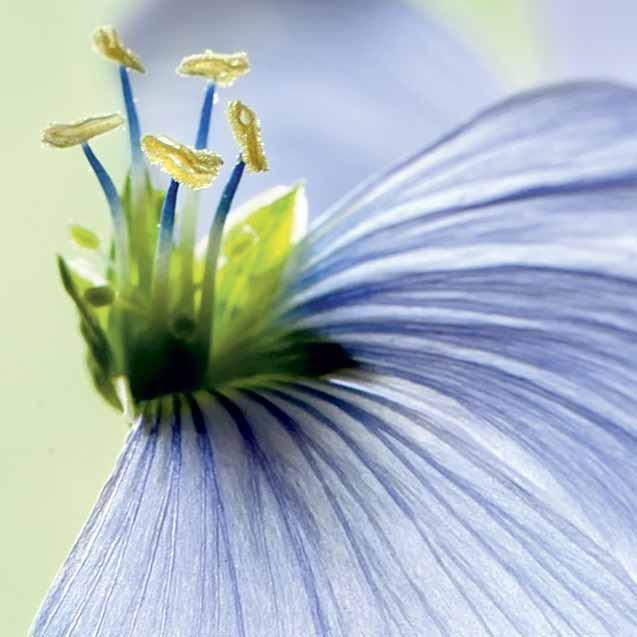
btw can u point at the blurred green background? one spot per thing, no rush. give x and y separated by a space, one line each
59 439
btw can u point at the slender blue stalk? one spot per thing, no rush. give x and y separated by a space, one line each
188 229
144 222
164 250
134 130
120 232
206 115
206 309
229 192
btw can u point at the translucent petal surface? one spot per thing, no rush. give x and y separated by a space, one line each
369 508
499 268
363 82
476 477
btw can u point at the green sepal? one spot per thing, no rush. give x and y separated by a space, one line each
99 355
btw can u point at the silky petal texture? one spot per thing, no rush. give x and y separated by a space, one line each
475 475
343 88
361 508
496 271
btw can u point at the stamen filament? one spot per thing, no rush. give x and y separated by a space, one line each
205 321
134 130
120 234
188 230
206 114
143 223
161 271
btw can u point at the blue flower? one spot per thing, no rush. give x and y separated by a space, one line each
426 426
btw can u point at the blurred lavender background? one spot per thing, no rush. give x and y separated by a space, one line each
343 89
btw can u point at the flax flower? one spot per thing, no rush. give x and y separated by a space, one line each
416 417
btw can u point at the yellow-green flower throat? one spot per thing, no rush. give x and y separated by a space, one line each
162 313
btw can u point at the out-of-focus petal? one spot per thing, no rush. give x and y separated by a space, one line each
343 89
544 178
585 38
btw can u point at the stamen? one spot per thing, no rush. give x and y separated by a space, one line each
205 321
107 42
68 135
120 230
83 237
196 169
222 69
247 132
164 249
206 114
188 225
144 218
134 129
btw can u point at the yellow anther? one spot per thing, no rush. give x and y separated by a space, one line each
194 168
218 67
247 131
107 42
67 135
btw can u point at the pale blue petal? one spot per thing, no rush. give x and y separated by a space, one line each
343 88
564 154
496 276
359 508
588 38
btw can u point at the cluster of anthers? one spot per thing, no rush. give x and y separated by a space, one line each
150 321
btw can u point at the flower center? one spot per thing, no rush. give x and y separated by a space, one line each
161 313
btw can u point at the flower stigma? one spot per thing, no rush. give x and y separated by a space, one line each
163 314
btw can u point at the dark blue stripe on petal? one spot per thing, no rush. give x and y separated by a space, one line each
281 493
208 461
